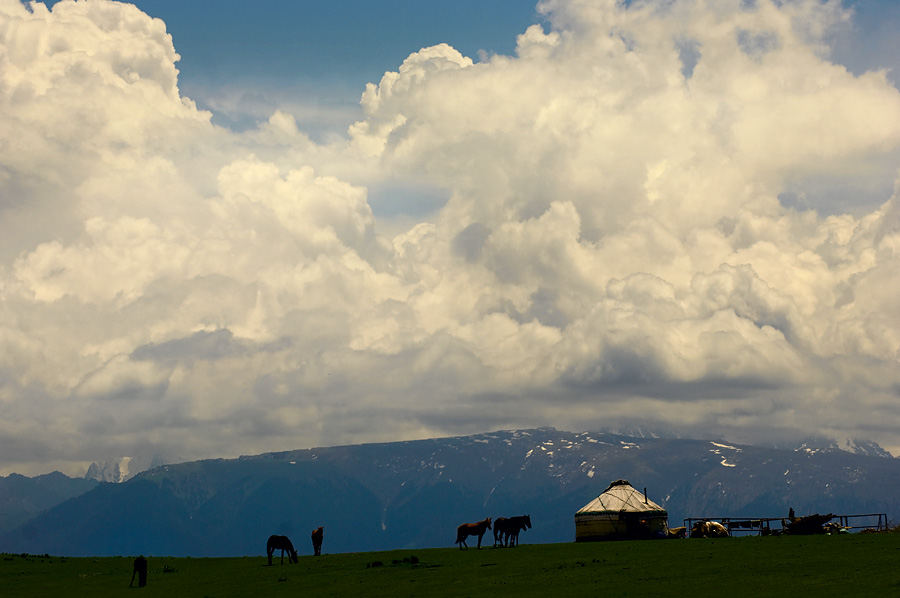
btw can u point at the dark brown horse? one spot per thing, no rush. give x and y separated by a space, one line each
499 530
140 569
282 543
510 527
471 529
317 535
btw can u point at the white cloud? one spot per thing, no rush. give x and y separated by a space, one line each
612 248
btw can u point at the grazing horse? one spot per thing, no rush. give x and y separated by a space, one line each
510 527
140 569
676 532
281 542
317 540
471 529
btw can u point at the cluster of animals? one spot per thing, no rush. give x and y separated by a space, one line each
708 529
797 526
506 533
283 543
506 530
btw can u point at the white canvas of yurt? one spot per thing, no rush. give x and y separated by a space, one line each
621 512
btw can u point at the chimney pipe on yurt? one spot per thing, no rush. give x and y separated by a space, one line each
620 514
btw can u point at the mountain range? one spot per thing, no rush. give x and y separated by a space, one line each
413 494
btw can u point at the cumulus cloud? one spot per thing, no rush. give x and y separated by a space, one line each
615 245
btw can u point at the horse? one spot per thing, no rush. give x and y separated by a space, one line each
471 529
499 530
317 540
511 527
519 524
140 569
676 532
283 543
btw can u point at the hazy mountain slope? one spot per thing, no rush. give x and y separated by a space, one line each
414 494
21 498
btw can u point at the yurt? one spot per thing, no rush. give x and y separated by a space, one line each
621 513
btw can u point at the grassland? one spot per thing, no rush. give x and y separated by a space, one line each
854 565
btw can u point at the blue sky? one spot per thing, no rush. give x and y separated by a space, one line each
324 51
333 223
321 54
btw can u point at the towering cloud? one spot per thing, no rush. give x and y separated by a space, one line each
622 240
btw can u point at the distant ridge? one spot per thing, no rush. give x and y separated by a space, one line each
856 447
23 498
413 494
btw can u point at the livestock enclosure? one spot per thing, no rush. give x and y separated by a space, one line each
762 526
841 565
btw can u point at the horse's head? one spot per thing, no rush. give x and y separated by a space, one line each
489 522
528 521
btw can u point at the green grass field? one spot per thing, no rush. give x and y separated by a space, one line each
854 565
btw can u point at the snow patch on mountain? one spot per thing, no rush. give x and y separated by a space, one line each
718 452
121 469
867 448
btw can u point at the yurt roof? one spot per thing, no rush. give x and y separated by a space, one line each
620 496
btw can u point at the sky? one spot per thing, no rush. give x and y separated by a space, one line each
230 228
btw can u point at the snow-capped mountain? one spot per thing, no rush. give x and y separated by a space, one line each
414 494
853 446
114 471
124 468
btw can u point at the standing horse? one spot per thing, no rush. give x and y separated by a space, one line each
499 530
510 527
471 529
281 542
317 540
514 525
